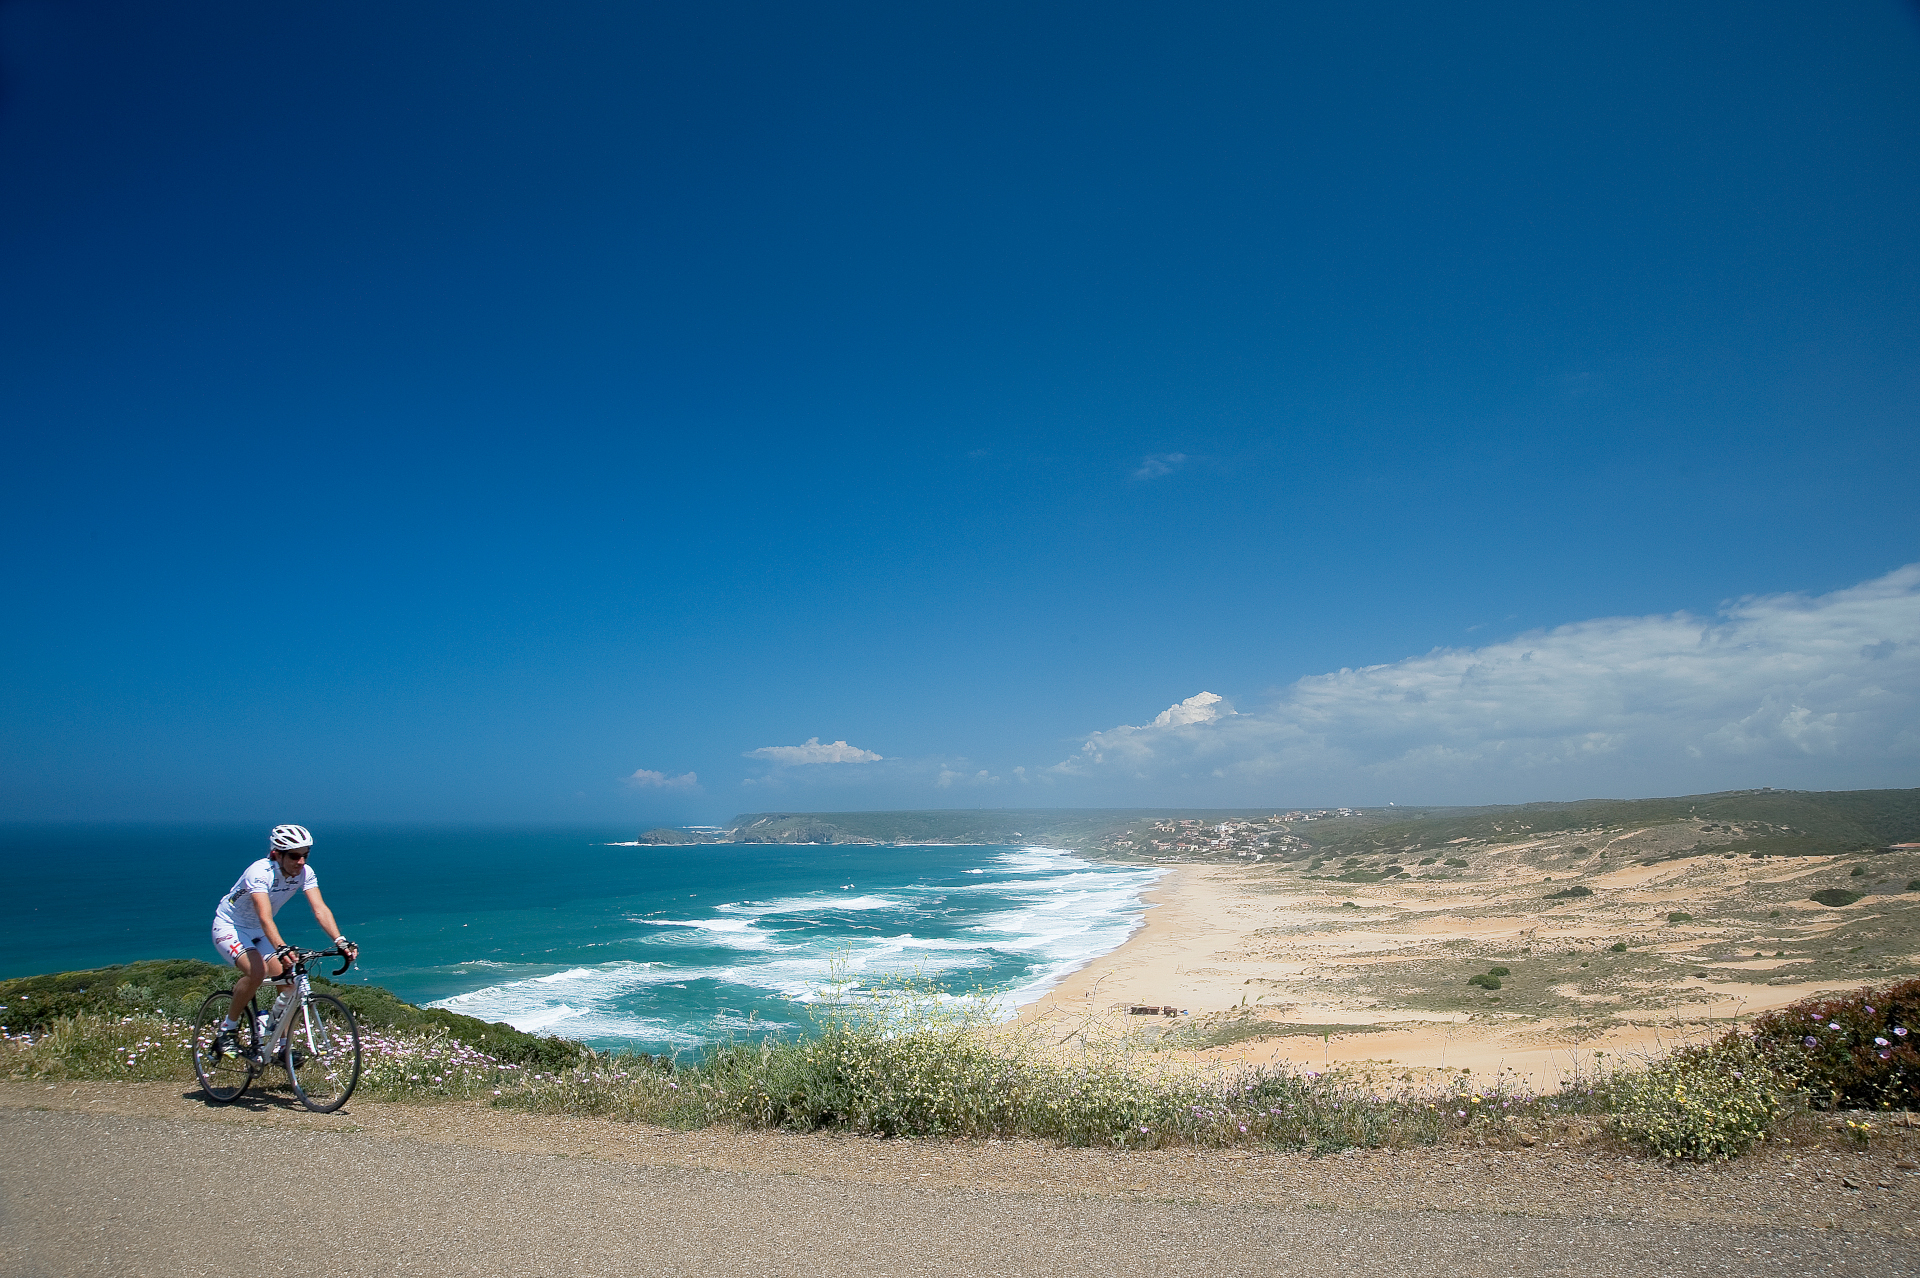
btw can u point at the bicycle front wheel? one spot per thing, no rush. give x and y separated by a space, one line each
323 1054
223 1075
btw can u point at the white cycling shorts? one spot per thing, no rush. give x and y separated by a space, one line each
232 944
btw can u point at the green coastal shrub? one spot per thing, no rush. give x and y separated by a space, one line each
1578 889
1457 863
1486 981
166 988
1679 916
1498 971
173 989
1618 947
1703 1103
1859 1050
1834 898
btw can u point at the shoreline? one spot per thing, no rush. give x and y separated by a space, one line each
1239 950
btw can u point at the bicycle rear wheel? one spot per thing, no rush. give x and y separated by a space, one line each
323 1053
223 1075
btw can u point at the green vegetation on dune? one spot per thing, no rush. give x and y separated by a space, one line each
1386 842
1773 822
1060 827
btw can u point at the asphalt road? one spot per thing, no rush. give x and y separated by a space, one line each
128 1195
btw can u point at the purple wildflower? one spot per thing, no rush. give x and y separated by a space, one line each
1811 1041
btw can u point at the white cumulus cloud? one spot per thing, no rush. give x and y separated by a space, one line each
1790 690
812 752
1204 707
647 779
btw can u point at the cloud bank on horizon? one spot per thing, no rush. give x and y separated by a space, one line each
812 752
1786 689
647 779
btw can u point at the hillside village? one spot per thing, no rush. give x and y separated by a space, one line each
1189 839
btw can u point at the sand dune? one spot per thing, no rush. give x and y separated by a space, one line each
1253 956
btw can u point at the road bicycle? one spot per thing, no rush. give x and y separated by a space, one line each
313 1037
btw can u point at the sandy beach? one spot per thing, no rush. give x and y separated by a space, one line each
1253 958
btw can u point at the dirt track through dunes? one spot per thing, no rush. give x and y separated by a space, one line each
127 1179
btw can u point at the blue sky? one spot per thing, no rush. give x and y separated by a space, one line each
542 412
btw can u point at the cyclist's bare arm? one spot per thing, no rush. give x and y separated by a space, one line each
322 915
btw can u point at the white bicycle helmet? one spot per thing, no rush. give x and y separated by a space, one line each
286 838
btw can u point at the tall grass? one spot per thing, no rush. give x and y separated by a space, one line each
905 1060
91 1046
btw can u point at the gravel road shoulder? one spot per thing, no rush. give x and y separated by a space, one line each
125 1178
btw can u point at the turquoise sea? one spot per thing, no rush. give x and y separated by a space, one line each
565 931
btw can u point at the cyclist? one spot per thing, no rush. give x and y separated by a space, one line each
243 929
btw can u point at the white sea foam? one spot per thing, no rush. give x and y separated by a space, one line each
534 1022
820 903
738 934
1041 911
576 992
705 925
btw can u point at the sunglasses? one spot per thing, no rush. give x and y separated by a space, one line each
295 856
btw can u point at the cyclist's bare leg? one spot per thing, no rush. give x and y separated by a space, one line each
253 970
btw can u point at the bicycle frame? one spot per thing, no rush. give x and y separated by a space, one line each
294 992
291 996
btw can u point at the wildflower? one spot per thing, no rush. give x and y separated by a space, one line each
1869 1011
1879 1042
1460 1113
1899 1031
1834 1025
1811 1041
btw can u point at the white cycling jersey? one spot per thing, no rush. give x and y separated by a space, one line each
236 907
